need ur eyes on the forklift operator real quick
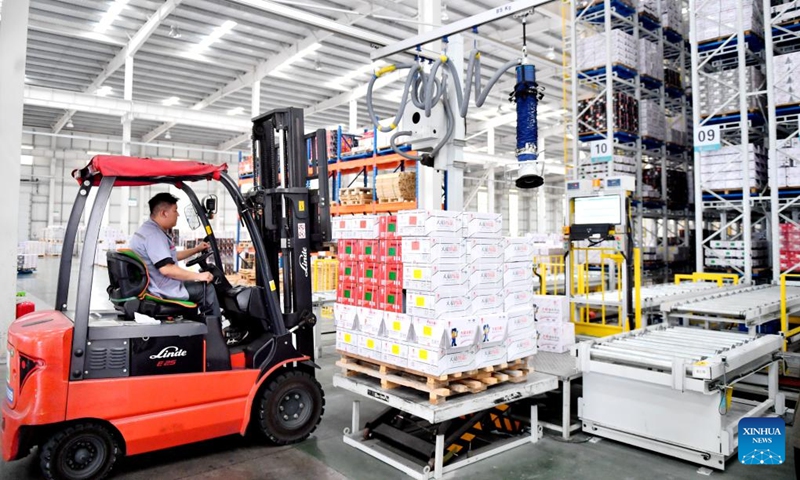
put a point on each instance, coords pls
(154, 245)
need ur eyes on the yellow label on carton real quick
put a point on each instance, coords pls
(427, 331)
(348, 338)
(417, 274)
(423, 354)
(396, 326)
(395, 349)
(420, 301)
(370, 343)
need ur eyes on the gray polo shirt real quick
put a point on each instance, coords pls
(156, 249)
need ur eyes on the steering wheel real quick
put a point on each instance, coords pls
(200, 258)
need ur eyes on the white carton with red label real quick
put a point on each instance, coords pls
(521, 321)
(369, 347)
(518, 298)
(347, 341)
(422, 223)
(434, 305)
(520, 346)
(518, 249)
(518, 274)
(482, 251)
(486, 302)
(345, 317)
(444, 278)
(432, 250)
(397, 326)
(485, 279)
(434, 361)
(482, 225)
(492, 328)
(364, 226)
(370, 321)
(451, 334)
(551, 308)
(555, 337)
(394, 353)
(490, 355)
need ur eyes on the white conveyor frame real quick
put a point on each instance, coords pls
(664, 388)
(652, 295)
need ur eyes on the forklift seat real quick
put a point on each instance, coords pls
(128, 281)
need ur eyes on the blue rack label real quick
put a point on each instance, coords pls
(762, 441)
(707, 138)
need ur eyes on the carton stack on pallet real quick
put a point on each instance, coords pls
(618, 165)
(556, 332)
(789, 166)
(722, 169)
(790, 246)
(717, 89)
(731, 253)
(626, 114)
(787, 88)
(592, 51)
(468, 292)
(717, 19)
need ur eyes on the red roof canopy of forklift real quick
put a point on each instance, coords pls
(135, 171)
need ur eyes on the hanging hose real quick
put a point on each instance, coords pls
(426, 91)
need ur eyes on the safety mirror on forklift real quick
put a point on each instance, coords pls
(210, 204)
(191, 217)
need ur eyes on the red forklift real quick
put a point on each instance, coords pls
(88, 387)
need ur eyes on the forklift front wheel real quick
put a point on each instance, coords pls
(291, 407)
(79, 452)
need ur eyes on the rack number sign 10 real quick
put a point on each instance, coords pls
(601, 150)
(707, 138)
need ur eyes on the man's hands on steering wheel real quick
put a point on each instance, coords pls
(200, 258)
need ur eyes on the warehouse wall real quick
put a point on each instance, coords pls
(46, 180)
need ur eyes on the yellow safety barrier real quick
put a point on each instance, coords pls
(637, 287)
(549, 265)
(581, 258)
(719, 278)
(324, 274)
(787, 332)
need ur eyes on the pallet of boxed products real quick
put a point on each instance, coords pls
(717, 20)
(789, 167)
(731, 253)
(593, 114)
(26, 262)
(426, 301)
(396, 187)
(592, 51)
(717, 88)
(616, 166)
(786, 87)
(721, 169)
(790, 246)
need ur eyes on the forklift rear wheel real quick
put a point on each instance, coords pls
(79, 452)
(291, 407)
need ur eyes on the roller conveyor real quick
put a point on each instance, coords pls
(652, 295)
(751, 305)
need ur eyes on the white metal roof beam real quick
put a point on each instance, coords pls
(129, 50)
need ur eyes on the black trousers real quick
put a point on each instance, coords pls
(204, 295)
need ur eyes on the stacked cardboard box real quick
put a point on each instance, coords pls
(787, 88)
(460, 281)
(671, 16)
(789, 166)
(556, 332)
(651, 59)
(592, 51)
(26, 261)
(731, 253)
(652, 121)
(626, 114)
(790, 246)
(717, 19)
(716, 92)
(722, 169)
(617, 166)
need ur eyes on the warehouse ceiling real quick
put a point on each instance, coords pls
(205, 54)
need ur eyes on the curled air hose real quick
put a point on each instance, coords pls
(426, 90)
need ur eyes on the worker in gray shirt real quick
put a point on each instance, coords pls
(154, 245)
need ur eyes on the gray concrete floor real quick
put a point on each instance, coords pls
(325, 456)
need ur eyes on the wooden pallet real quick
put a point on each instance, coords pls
(356, 200)
(753, 190)
(355, 191)
(440, 387)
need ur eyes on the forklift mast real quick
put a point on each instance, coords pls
(293, 219)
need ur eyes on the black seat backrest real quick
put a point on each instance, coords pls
(127, 276)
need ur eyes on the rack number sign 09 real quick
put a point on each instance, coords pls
(707, 138)
(601, 150)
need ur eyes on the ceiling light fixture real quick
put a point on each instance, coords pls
(445, 16)
(278, 71)
(214, 36)
(168, 102)
(103, 91)
(168, 136)
(174, 32)
(551, 53)
(236, 111)
(69, 124)
(111, 14)
(338, 83)
(317, 65)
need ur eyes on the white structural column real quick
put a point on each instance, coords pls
(127, 120)
(14, 39)
(454, 151)
(51, 186)
(353, 124)
(429, 181)
(541, 202)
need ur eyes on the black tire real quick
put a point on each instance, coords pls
(85, 451)
(290, 407)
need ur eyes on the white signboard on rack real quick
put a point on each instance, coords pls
(707, 138)
(601, 150)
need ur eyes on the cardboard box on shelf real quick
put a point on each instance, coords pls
(368, 295)
(368, 251)
(555, 337)
(521, 320)
(365, 226)
(347, 293)
(481, 303)
(394, 353)
(345, 316)
(482, 225)
(391, 299)
(551, 308)
(421, 223)
(347, 249)
(370, 347)
(397, 327)
(451, 334)
(484, 280)
(517, 297)
(348, 271)
(387, 227)
(484, 251)
(347, 341)
(370, 322)
(392, 275)
(519, 346)
(432, 250)
(490, 355)
(369, 272)
(437, 362)
(391, 250)
(434, 278)
(518, 249)
(434, 305)
(518, 274)
(493, 328)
